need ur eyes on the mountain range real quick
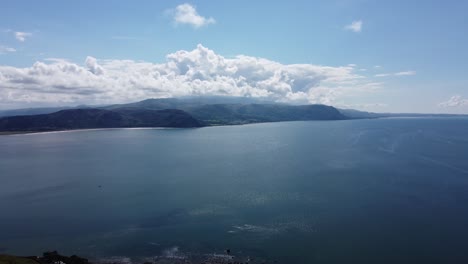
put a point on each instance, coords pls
(173, 112)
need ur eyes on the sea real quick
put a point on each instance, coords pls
(391, 190)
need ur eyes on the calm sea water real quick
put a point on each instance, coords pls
(363, 191)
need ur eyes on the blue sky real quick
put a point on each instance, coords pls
(400, 56)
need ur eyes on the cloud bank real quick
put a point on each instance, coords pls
(184, 73)
(187, 14)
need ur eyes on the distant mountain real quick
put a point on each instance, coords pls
(356, 114)
(216, 110)
(233, 111)
(99, 118)
(170, 112)
(232, 114)
(179, 112)
(189, 101)
(33, 111)
(155, 104)
(417, 115)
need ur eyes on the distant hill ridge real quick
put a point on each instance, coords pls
(99, 118)
(178, 112)
(170, 112)
(232, 112)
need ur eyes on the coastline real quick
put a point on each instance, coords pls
(13, 133)
(17, 133)
(10, 133)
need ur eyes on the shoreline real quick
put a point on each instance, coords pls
(13, 133)
(16, 133)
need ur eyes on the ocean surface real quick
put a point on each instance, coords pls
(359, 191)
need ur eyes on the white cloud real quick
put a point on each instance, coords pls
(403, 73)
(355, 26)
(197, 72)
(383, 75)
(93, 66)
(4, 49)
(454, 101)
(187, 14)
(21, 36)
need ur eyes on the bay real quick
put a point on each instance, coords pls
(359, 191)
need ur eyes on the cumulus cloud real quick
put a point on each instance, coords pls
(454, 101)
(21, 36)
(4, 49)
(197, 72)
(403, 73)
(187, 14)
(93, 66)
(355, 26)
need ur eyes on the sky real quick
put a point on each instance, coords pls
(381, 56)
